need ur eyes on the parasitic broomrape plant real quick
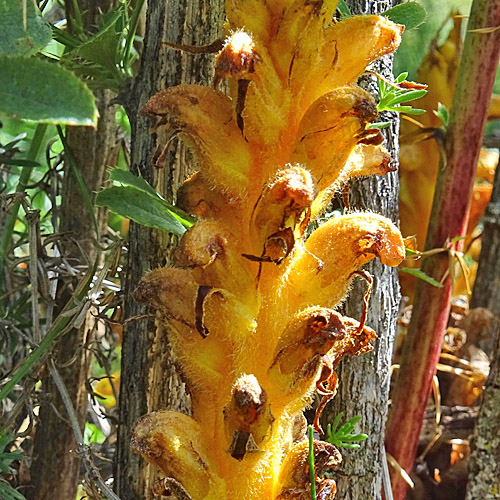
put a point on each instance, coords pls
(250, 304)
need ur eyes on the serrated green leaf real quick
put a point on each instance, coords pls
(15, 40)
(410, 14)
(140, 207)
(421, 275)
(59, 96)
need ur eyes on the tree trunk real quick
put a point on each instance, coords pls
(484, 462)
(56, 463)
(149, 380)
(364, 380)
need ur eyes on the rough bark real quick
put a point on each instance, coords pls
(364, 380)
(484, 462)
(149, 380)
(56, 463)
(448, 220)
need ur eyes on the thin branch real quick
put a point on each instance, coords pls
(92, 470)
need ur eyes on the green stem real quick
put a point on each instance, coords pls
(134, 21)
(24, 178)
(312, 472)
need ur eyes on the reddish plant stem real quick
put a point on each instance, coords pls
(448, 220)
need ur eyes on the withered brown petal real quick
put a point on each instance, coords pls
(203, 291)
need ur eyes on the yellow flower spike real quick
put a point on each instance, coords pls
(174, 442)
(321, 273)
(248, 417)
(294, 482)
(247, 314)
(204, 118)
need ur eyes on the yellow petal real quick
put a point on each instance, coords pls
(204, 118)
(174, 442)
(321, 272)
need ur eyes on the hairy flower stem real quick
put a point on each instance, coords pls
(448, 220)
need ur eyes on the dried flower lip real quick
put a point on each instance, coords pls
(242, 443)
(279, 245)
(248, 393)
(201, 245)
(168, 486)
(366, 110)
(202, 294)
(294, 183)
(295, 469)
(326, 489)
(141, 442)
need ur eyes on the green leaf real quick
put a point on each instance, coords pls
(92, 434)
(7, 492)
(58, 97)
(343, 8)
(408, 96)
(355, 437)
(19, 162)
(15, 40)
(401, 78)
(443, 114)
(343, 437)
(126, 178)
(349, 446)
(102, 48)
(140, 207)
(421, 275)
(410, 14)
(378, 125)
(312, 472)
